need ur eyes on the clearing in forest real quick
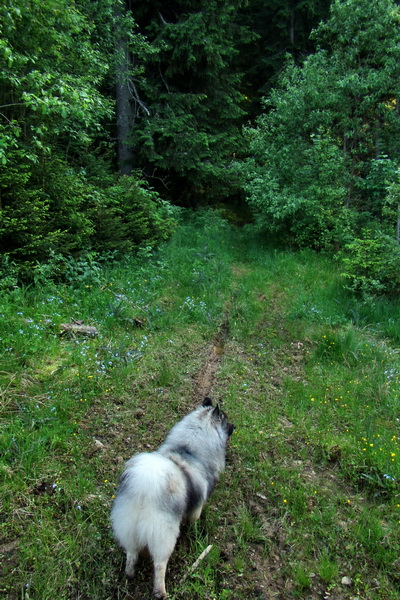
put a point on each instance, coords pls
(309, 504)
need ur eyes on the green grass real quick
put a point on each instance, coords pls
(309, 374)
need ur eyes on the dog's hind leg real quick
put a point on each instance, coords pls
(159, 580)
(160, 552)
(131, 560)
(195, 514)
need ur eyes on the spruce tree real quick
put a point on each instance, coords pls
(192, 92)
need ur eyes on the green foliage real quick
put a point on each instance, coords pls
(52, 218)
(43, 211)
(391, 206)
(129, 215)
(9, 273)
(322, 160)
(50, 106)
(192, 92)
(316, 169)
(23, 210)
(85, 268)
(372, 264)
(60, 206)
(299, 190)
(49, 78)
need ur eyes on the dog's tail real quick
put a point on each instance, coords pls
(149, 502)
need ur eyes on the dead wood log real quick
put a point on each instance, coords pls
(78, 329)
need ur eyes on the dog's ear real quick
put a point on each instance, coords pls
(207, 401)
(216, 413)
(231, 429)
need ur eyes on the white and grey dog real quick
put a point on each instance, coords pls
(159, 490)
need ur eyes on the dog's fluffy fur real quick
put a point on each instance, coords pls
(158, 490)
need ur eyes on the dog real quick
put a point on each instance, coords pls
(159, 490)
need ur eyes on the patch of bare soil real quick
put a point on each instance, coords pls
(206, 377)
(8, 558)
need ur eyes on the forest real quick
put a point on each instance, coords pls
(201, 199)
(116, 116)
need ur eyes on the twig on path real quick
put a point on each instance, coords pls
(196, 563)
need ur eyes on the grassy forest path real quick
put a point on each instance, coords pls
(305, 546)
(309, 505)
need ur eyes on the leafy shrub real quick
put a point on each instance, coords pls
(86, 268)
(42, 213)
(51, 217)
(372, 264)
(314, 173)
(129, 215)
(8, 273)
(391, 207)
(296, 187)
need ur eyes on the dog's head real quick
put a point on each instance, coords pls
(219, 416)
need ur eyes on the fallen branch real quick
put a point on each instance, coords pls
(78, 329)
(196, 563)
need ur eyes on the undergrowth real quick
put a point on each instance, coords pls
(310, 501)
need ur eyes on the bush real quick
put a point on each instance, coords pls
(129, 215)
(51, 216)
(295, 188)
(42, 210)
(372, 264)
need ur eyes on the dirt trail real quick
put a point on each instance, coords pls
(206, 377)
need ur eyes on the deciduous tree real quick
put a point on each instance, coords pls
(329, 136)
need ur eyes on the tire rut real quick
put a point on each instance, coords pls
(206, 377)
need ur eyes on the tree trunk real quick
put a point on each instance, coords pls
(125, 118)
(292, 24)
